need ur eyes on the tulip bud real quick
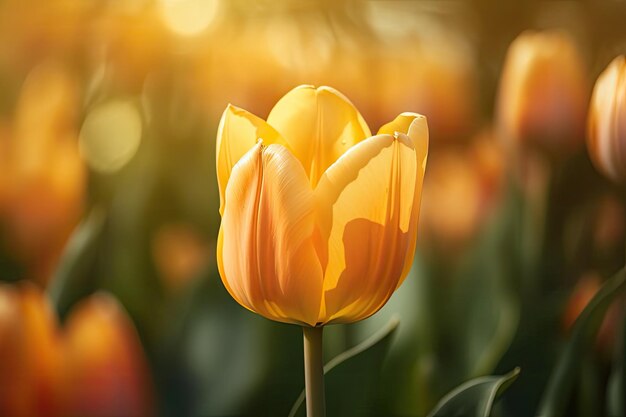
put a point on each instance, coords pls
(606, 139)
(105, 369)
(543, 93)
(319, 218)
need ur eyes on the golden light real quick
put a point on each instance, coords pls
(111, 135)
(188, 17)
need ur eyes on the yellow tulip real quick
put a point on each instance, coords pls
(543, 92)
(606, 139)
(319, 218)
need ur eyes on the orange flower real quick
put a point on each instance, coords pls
(319, 218)
(94, 368)
(543, 92)
(105, 370)
(606, 137)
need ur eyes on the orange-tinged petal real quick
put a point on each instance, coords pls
(238, 132)
(368, 209)
(29, 353)
(266, 254)
(319, 124)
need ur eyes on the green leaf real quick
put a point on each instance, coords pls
(616, 395)
(237, 362)
(557, 394)
(351, 377)
(486, 310)
(73, 278)
(474, 398)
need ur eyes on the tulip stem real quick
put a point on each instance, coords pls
(314, 372)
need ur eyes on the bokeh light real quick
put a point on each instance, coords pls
(111, 135)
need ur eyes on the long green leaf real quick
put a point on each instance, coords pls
(474, 398)
(616, 395)
(73, 278)
(351, 377)
(557, 394)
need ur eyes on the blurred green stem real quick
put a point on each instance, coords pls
(314, 372)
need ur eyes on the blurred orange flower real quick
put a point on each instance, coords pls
(606, 137)
(93, 367)
(105, 371)
(319, 220)
(543, 93)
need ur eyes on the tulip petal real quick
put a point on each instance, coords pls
(368, 211)
(266, 255)
(400, 124)
(418, 132)
(238, 132)
(319, 124)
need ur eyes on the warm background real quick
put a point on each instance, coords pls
(109, 207)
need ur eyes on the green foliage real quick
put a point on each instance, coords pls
(474, 398)
(352, 377)
(558, 391)
(74, 276)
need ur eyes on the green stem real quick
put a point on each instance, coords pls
(314, 372)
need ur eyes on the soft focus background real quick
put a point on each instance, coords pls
(111, 303)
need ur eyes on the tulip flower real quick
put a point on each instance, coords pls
(106, 373)
(606, 138)
(319, 218)
(543, 92)
(93, 367)
(337, 207)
